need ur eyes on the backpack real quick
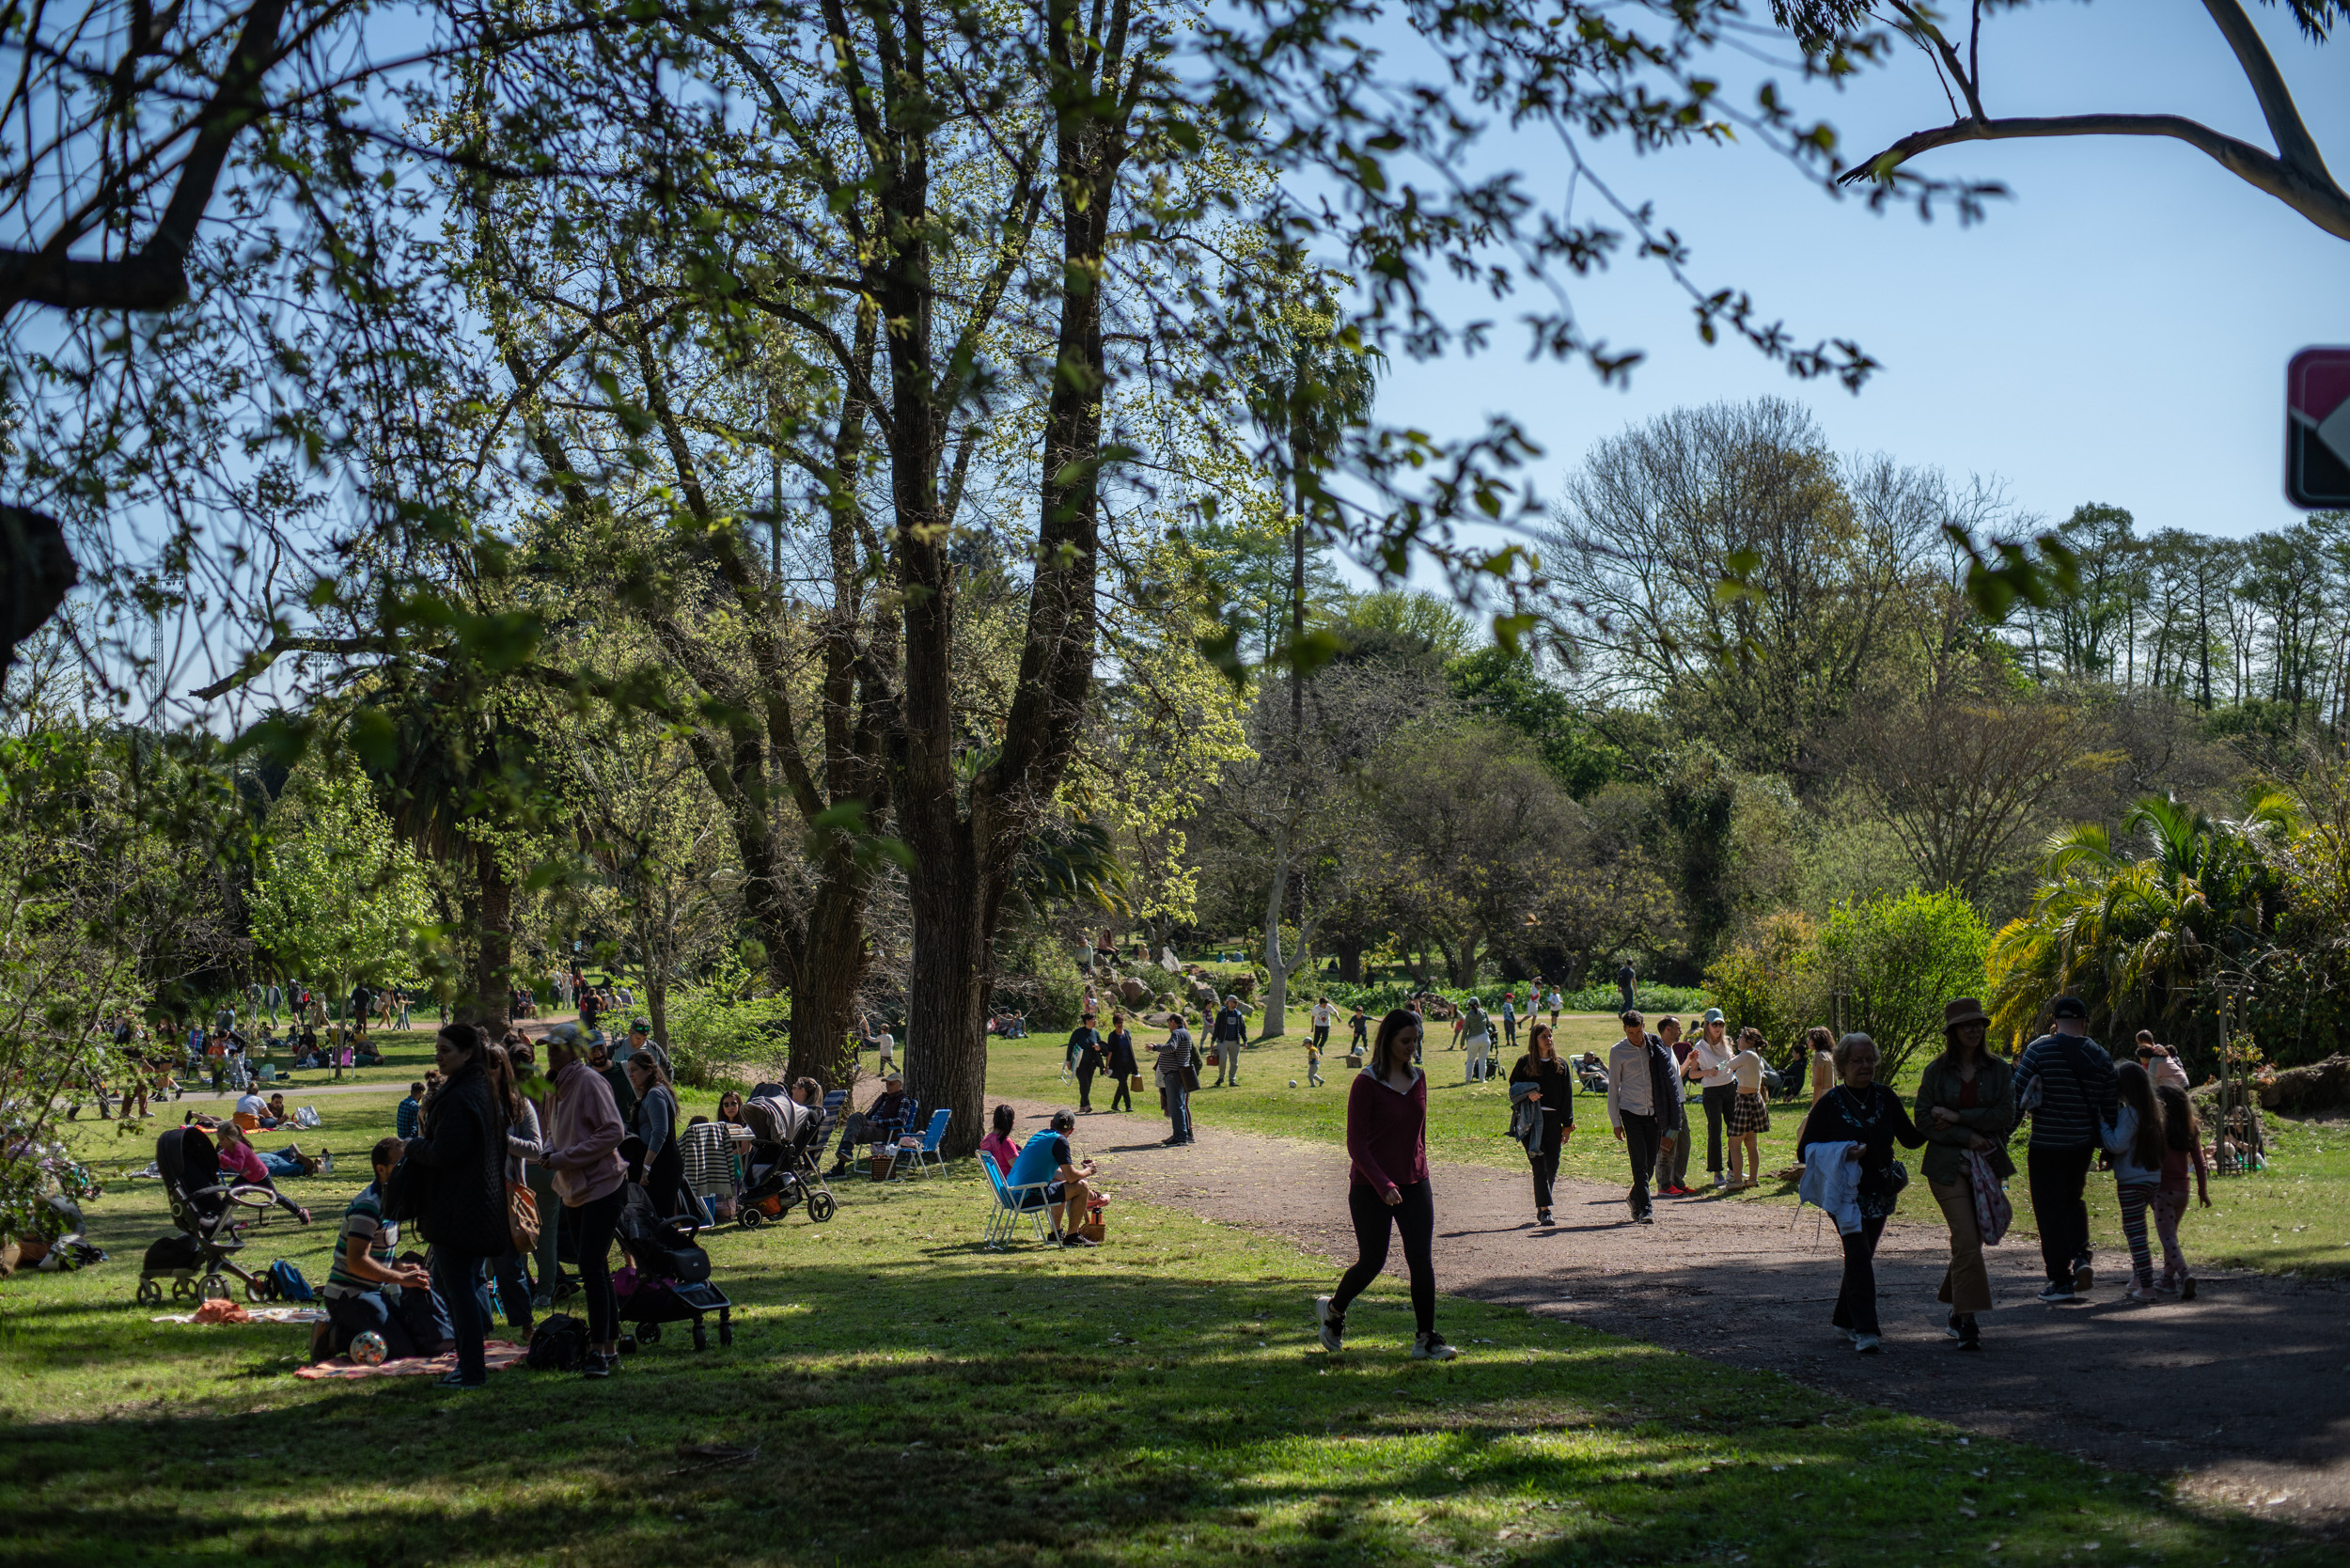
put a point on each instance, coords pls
(557, 1344)
(291, 1285)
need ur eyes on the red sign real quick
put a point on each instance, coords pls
(2317, 430)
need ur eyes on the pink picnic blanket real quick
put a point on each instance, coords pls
(495, 1353)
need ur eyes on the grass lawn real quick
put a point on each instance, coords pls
(2294, 1216)
(916, 1400)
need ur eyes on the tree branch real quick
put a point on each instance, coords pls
(2294, 144)
(2316, 198)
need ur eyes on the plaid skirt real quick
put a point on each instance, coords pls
(1750, 1113)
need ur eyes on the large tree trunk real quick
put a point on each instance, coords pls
(954, 919)
(493, 949)
(824, 972)
(1276, 991)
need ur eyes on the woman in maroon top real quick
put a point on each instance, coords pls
(1386, 1144)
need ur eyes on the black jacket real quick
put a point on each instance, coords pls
(1122, 1049)
(1557, 1083)
(465, 1210)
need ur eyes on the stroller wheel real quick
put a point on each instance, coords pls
(749, 1217)
(150, 1293)
(211, 1286)
(821, 1206)
(260, 1288)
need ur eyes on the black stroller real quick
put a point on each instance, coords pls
(672, 1273)
(212, 1214)
(784, 1163)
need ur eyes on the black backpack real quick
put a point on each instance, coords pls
(557, 1343)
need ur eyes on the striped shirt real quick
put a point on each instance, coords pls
(365, 1220)
(2075, 1080)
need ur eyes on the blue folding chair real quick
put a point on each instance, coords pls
(1003, 1216)
(932, 1135)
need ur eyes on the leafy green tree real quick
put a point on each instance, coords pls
(1507, 686)
(340, 898)
(1895, 960)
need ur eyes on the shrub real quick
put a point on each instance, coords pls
(720, 1025)
(1768, 977)
(1897, 960)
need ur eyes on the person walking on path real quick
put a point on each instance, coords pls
(1386, 1149)
(1672, 1150)
(1643, 1105)
(1626, 977)
(2134, 1140)
(1864, 1118)
(1966, 1109)
(1553, 1095)
(1231, 1026)
(2183, 1144)
(1118, 1050)
(584, 1132)
(2064, 1081)
(464, 1210)
(1178, 1074)
(1086, 1055)
(1709, 1057)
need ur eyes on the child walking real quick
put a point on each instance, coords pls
(1314, 1057)
(2182, 1144)
(2135, 1139)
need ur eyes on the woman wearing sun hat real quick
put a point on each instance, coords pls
(1966, 1109)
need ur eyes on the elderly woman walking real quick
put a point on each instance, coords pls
(1853, 1125)
(1966, 1109)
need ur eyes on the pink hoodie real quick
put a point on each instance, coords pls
(583, 1136)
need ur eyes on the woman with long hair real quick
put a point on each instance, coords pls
(2134, 1141)
(1552, 1092)
(1966, 1107)
(660, 1167)
(1386, 1146)
(466, 1202)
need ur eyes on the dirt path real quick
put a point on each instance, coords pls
(2246, 1387)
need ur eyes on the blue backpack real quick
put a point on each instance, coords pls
(289, 1284)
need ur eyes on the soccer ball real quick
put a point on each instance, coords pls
(369, 1349)
(1293, 1083)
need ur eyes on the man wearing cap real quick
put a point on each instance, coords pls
(639, 1035)
(879, 1122)
(2065, 1082)
(1709, 1059)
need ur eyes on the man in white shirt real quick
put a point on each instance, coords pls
(1709, 1059)
(1643, 1103)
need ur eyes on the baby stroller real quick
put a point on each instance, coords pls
(211, 1215)
(784, 1165)
(672, 1273)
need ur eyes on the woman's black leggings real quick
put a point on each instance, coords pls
(1857, 1295)
(1416, 1217)
(591, 1230)
(1545, 1160)
(1123, 1099)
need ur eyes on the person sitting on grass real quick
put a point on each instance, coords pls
(240, 1162)
(367, 1292)
(879, 1122)
(1067, 1184)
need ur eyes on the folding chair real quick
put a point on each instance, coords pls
(931, 1136)
(1003, 1216)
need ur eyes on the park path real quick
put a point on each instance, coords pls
(2245, 1390)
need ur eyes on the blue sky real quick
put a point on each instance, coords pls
(2116, 331)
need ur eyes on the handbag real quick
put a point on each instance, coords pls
(522, 1216)
(1134, 1083)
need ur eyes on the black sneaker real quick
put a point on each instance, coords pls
(455, 1380)
(1073, 1239)
(2054, 1292)
(1970, 1336)
(596, 1363)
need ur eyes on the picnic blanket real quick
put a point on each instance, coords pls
(247, 1314)
(496, 1353)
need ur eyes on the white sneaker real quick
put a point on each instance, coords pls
(1430, 1347)
(1866, 1343)
(1331, 1325)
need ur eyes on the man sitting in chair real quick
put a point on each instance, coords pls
(1068, 1186)
(879, 1122)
